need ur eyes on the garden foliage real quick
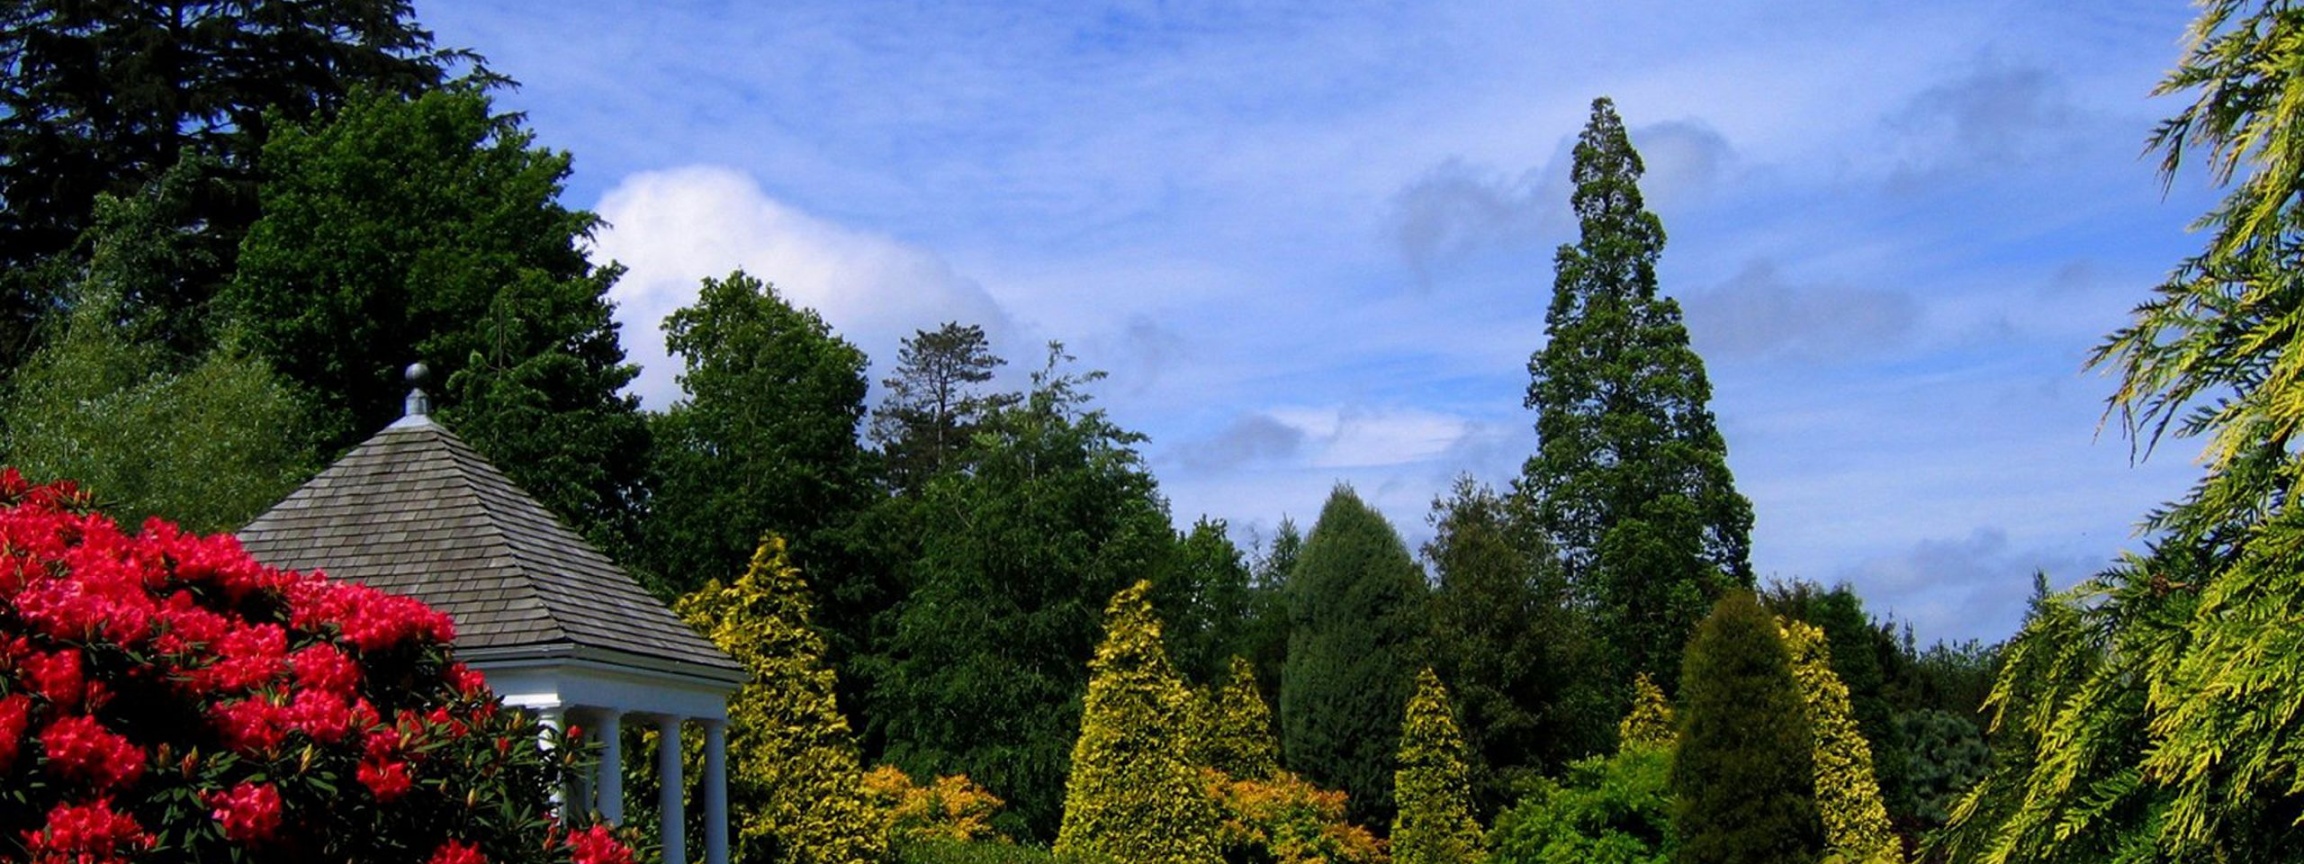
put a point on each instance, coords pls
(1856, 826)
(1434, 785)
(1235, 737)
(164, 697)
(795, 788)
(1133, 794)
(1742, 775)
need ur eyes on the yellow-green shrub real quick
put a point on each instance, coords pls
(1133, 794)
(1856, 828)
(1433, 784)
(1649, 724)
(1236, 736)
(795, 788)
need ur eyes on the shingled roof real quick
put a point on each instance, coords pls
(415, 511)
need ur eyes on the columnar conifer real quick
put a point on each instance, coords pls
(1356, 608)
(1742, 772)
(795, 786)
(1847, 798)
(1237, 738)
(1434, 784)
(1133, 794)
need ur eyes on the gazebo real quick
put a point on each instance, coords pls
(555, 626)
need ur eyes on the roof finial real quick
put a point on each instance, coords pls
(418, 404)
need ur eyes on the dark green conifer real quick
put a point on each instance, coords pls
(1631, 479)
(1358, 626)
(1742, 774)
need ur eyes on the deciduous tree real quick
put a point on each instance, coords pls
(430, 229)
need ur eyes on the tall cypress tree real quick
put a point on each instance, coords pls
(1435, 825)
(1742, 775)
(1631, 478)
(1134, 794)
(1356, 606)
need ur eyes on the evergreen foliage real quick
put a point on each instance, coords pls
(1649, 723)
(1282, 819)
(795, 788)
(1265, 637)
(1847, 798)
(1133, 794)
(100, 99)
(1862, 654)
(207, 442)
(932, 409)
(1505, 633)
(1237, 739)
(1742, 773)
(430, 229)
(1357, 610)
(1948, 756)
(948, 809)
(1435, 825)
(1630, 481)
(987, 656)
(2149, 714)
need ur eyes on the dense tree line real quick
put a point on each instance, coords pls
(212, 282)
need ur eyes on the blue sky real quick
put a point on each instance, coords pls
(1312, 242)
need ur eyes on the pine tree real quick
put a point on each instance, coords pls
(933, 406)
(1237, 738)
(1435, 824)
(1133, 794)
(1357, 609)
(1742, 773)
(795, 786)
(1631, 479)
(1847, 798)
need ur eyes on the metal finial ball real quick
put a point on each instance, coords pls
(417, 374)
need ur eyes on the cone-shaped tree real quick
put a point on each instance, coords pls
(1434, 784)
(1356, 609)
(1237, 737)
(795, 787)
(1649, 723)
(1134, 795)
(1630, 479)
(1741, 774)
(1847, 798)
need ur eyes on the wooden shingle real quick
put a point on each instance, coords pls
(413, 510)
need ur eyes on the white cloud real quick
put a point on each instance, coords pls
(674, 228)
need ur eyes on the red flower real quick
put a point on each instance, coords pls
(324, 668)
(249, 726)
(323, 717)
(250, 812)
(457, 852)
(86, 834)
(246, 658)
(15, 716)
(56, 677)
(595, 845)
(386, 780)
(82, 750)
(467, 680)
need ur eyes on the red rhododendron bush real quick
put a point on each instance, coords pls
(163, 697)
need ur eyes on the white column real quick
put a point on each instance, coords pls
(668, 797)
(715, 792)
(549, 720)
(610, 788)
